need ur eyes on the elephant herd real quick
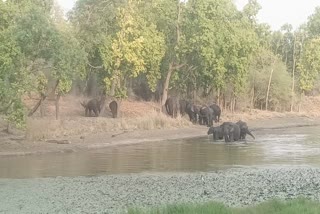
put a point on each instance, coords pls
(95, 106)
(230, 131)
(205, 115)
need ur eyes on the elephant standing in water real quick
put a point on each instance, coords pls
(244, 130)
(216, 132)
(231, 131)
(172, 106)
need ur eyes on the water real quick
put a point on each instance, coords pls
(280, 147)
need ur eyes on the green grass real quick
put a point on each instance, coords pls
(297, 206)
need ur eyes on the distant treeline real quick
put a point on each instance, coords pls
(195, 49)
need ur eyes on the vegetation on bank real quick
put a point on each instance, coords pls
(199, 50)
(297, 206)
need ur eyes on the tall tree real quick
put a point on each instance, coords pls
(309, 65)
(137, 48)
(313, 24)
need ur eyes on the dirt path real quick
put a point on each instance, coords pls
(17, 145)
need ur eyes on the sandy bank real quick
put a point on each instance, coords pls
(20, 146)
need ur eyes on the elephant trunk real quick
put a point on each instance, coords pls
(249, 133)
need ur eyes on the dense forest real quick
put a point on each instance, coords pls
(197, 49)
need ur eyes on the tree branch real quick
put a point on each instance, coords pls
(96, 67)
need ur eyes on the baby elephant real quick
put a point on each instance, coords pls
(216, 132)
(244, 130)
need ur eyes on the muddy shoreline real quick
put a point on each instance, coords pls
(19, 146)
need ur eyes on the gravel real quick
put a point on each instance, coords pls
(113, 194)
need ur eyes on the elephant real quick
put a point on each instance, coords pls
(231, 131)
(92, 105)
(244, 130)
(172, 106)
(193, 112)
(206, 116)
(113, 105)
(183, 107)
(217, 112)
(216, 132)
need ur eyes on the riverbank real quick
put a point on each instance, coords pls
(19, 145)
(116, 193)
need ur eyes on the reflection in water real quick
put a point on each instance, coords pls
(294, 146)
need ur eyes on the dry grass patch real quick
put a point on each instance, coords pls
(44, 128)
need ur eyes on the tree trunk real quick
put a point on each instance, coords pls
(166, 85)
(252, 99)
(35, 108)
(218, 99)
(171, 65)
(293, 69)
(41, 109)
(113, 88)
(57, 106)
(269, 84)
(119, 102)
(7, 130)
(43, 97)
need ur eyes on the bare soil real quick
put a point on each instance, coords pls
(139, 122)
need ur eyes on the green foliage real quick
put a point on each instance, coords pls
(137, 48)
(259, 75)
(69, 60)
(295, 206)
(219, 42)
(309, 65)
(313, 24)
(33, 49)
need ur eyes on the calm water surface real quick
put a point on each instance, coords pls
(292, 146)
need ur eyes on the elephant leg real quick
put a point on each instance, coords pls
(96, 112)
(231, 137)
(226, 137)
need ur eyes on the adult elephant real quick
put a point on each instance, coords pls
(193, 112)
(206, 116)
(244, 130)
(172, 106)
(217, 112)
(183, 107)
(216, 132)
(231, 131)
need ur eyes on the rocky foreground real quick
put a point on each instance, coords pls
(113, 194)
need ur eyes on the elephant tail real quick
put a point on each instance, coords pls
(249, 133)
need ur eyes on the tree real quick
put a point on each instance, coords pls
(220, 42)
(269, 83)
(313, 24)
(137, 48)
(95, 25)
(309, 65)
(35, 50)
